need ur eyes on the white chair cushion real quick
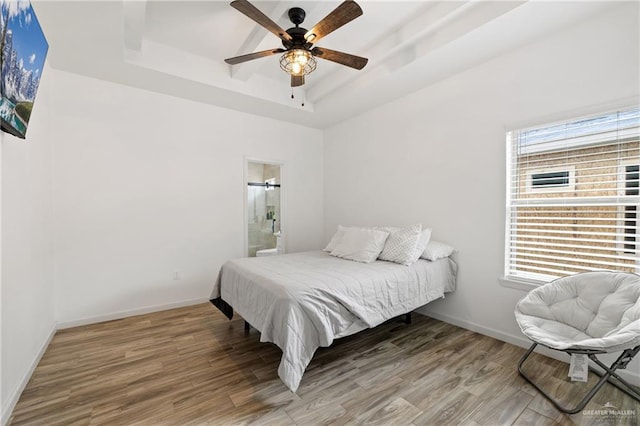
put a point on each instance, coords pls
(592, 310)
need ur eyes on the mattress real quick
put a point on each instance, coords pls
(303, 301)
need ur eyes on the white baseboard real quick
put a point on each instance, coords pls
(7, 408)
(130, 313)
(520, 341)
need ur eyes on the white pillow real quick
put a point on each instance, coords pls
(334, 240)
(425, 236)
(401, 245)
(436, 250)
(361, 245)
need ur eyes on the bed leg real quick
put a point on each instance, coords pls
(247, 327)
(407, 318)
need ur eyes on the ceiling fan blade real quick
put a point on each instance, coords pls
(347, 59)
(250, 56)
(297, 80)
(346, 12)
(254, 13)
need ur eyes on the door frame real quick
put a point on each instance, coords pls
(283, 204)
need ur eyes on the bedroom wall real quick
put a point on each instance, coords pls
(147, 185)
(438, 156)
(27, 313)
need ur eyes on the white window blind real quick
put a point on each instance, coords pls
(572, 197)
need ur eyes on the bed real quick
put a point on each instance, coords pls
(303, 301)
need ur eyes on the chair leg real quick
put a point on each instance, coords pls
(605, 377)
(247, 327)
(622, 361)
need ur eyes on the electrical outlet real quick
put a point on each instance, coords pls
(176, 276)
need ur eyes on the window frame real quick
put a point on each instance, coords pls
(527, 279)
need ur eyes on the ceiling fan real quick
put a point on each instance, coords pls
(298, 57)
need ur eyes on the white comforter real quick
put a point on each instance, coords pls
(302, 301)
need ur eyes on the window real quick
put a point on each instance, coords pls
(572, 197)
(551, 180)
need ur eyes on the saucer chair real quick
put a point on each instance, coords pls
(591, 313)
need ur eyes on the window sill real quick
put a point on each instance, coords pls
(519, 283)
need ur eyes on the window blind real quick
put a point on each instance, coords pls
(572, 197)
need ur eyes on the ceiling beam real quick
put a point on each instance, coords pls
(437, 25)
(134, 17)
(432, 17)
(258, 39)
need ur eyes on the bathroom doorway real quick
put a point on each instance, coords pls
(264, 208)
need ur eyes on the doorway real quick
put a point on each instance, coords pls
(264, 208)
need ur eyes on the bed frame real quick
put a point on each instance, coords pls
(227, 310)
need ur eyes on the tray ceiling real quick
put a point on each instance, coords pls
(179, 47)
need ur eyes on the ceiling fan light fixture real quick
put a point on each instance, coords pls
(298, 62)
(299, 58)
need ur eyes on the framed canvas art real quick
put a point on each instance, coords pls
(23, 50)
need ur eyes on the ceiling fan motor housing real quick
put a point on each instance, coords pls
(297, 33)
(297, 39)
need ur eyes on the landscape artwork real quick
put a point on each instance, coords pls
(23, 49)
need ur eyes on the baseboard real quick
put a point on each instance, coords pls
(515, 340)
(7, 409)
(130, 313)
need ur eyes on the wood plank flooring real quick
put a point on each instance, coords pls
(192, 366)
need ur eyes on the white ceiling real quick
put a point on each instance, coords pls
(179, 47)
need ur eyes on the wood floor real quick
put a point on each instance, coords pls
(192, 366)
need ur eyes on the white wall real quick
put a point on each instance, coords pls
(146, 185)
(27, 259)
(438, 155)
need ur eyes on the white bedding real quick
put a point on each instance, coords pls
(302, 301)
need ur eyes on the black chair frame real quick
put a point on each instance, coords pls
(607, 375)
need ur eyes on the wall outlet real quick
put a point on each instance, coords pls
(176, 276)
